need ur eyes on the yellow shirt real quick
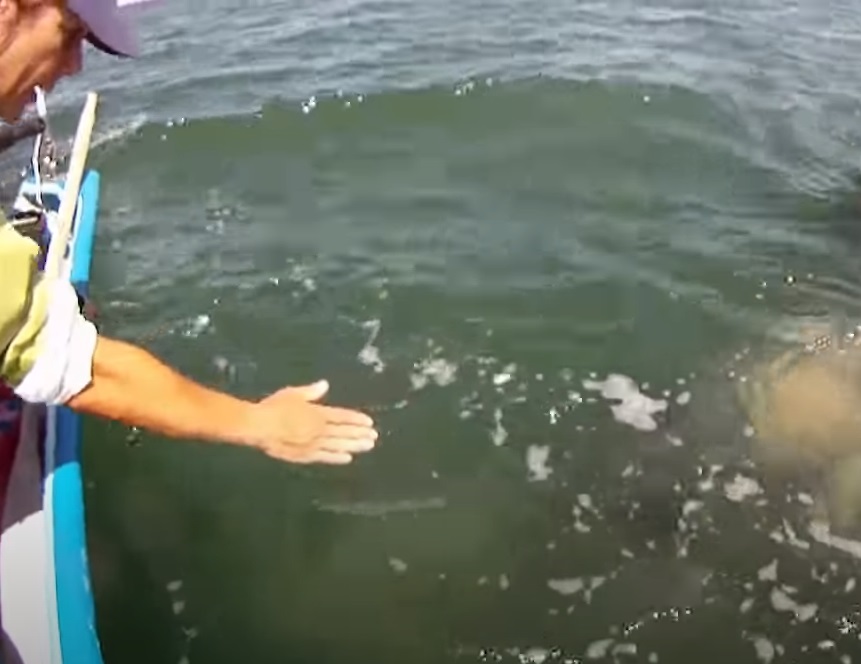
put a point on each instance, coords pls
(46, 346)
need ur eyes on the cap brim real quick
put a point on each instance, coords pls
(110, 31)
(104, 48)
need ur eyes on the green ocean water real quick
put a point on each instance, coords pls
(467, 216)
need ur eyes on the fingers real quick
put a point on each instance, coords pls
(346, 416)
(351, 431)
(316, 391)
(348, 438)
(349, 445)
(332, 458)
(336, 447)
(318, 456)
(312, 392)
(306, 432)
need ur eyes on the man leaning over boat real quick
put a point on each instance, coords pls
(50, 353)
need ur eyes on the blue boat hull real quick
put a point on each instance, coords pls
(47, 609)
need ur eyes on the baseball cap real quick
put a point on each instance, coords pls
(111, 29)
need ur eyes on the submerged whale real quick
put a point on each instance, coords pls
(804, 408)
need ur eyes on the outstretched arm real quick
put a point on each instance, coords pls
(49, 353)
(132, 386)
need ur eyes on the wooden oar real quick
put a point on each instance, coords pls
(71, 188)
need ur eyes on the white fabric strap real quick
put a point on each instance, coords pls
(42, 111)
(64, 366)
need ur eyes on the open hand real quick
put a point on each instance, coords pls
(290, 426)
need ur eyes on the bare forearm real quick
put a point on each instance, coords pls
(130, 385)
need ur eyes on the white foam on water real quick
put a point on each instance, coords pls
(675, 441)
(595, 583)
(742, 487)
(691, 507)
(397, 565)
(370, 353)
(122, 131)
(599, 649)
(764, 649)
(536, 461)
(505, 375)
(793, 538)
(579, 525)
(634, 408)
(178, 607)
(382, 508)
(782, 602)
(174, 586)
(805, 499)
(440, 371)
(197, 326)
(683, 399)
(124, 304)
(499, 434)
(625, 649)
(769, 572)
(850, 586)
(708, 484)
(826, 645)
(746, 605)
(567, 586)
(504, 583)
(534, 656)
(302, 275)
(653, 658)
(820, 532)
(222, 364)
(469, 406)
(574, 586)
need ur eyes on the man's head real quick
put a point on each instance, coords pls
(41, 41)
